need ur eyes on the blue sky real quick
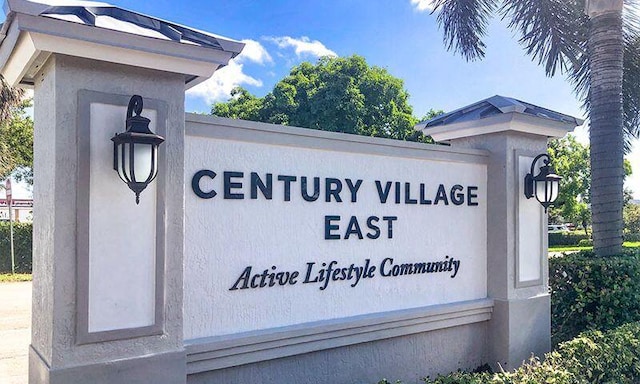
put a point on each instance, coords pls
(400, 35)
(395, 35)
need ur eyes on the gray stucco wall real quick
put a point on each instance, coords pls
(521, 323)
(406, 358)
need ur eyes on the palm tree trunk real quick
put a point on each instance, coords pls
(605, 47)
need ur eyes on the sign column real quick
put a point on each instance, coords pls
(107, 273)
(517, 266)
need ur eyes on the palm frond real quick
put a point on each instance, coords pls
(554, 32)
(631, 16)
(464, 23)
(631, 85)
(631, 74)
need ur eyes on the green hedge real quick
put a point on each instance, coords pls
(22, 242)
(585, 243)
(632, 237)
(593, 357)
(589, 292)
(566, 238)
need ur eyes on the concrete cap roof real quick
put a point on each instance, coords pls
(497, 105)
(498, 114)
(103, 15)
(101, 31)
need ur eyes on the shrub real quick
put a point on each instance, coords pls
(566, 238)
(592, 358)
(604, 357)
(585, 243)
(22, 242)
(532, 372)
(589, 292)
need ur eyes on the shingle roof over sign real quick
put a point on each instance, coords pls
(496, 105)
(102, 15)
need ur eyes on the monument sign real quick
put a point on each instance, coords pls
(279, 235)
(264, 253)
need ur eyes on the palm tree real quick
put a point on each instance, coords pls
(597, 45)
(9, 99)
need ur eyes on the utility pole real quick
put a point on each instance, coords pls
(9, 203)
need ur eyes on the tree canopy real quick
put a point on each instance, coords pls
(16, 144)
(335, 94)
(631, 216)
(571, 159)
(16, 135)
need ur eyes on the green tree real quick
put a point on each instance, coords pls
(571, 160)
(10, 98)
(335, 94)
(16, 144)
(631, 219)
(242, 105)
(587, 41)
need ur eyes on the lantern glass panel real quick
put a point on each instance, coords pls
(142, 162)
(547, 191)
(542, 191)
(123, 162)
(555, 188)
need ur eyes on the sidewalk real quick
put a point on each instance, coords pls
(15, 332)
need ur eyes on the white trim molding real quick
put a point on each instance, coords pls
(207, 354)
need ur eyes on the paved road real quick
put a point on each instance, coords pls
(15, 331)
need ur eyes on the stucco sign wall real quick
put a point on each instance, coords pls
(287, 226)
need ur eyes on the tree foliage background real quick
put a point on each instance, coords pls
(16, 135)
(631, 216)
(570, 159)
(335, 94)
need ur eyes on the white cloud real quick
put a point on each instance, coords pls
(219, 86)
(424, 5)
(302, 46)
(254, 51)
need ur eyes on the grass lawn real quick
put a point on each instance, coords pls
(18, 277)
(564, 248)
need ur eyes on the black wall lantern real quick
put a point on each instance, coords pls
(545, 185)
(135, 151)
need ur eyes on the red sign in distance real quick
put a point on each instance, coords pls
(7, 186)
